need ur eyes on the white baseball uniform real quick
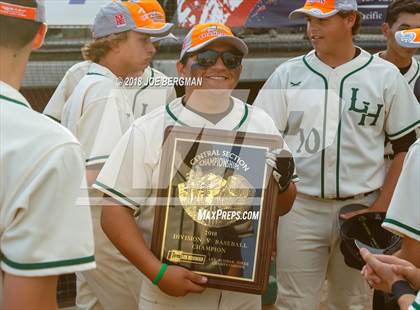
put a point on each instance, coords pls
(65, 88)
(412, 75)
(134, 166)
(142, 96)
(98, 113)
(146, 97)
(335, 122)
(403, 215)
(45, 224)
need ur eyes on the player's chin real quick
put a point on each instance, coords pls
(318, 44)
(215, 92)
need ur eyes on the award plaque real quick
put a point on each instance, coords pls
(216, 212)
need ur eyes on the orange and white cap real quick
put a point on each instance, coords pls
(155, 12)
(153, 9)
(118, 16)
(408, 38)
(324, 8)
(36, 14)
(202, 35)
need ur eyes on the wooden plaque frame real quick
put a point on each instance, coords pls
(267, 222)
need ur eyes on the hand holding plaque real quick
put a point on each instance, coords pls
(179, 281)
(281, 160)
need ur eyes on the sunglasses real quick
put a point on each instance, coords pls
(209, 58)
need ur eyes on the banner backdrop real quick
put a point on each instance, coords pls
(234, 13)
(261, 13)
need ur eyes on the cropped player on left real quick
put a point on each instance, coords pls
(43, 232)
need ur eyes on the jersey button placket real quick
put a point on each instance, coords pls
(333, 116)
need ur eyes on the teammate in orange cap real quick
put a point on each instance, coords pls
(142, 97)
(402, 15)
(410, 38)
(130, 176)
(337, 104)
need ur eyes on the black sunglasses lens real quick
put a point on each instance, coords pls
(207, 58)
(231, 60)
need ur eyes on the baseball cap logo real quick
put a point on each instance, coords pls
(312, 2)
(156, 16)
(119, 20)
(142, 14)
(212, 31)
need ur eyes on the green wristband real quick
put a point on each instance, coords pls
(160, 274)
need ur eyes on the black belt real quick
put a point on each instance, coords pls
(339, 198)
(355, 196)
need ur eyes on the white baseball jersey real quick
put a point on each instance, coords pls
(146, 97)
(403, 215)
(133, 165)
(65, 88)
(142, 97)
(132, 171)
(412, 74)
(97, 113)
(45, 224)
(336, 120)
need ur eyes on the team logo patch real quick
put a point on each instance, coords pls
(213, 31)
(365, 112)
(407, 37)
(119, 20)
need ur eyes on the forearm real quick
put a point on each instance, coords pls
(29, 292)
(119, 225)
(286, 199)
(390, 182)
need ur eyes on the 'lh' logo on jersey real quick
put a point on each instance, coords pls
(365, 109)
